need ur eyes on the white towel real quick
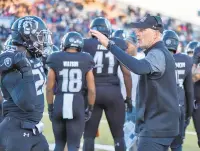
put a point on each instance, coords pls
(68, 106)
(40, 127)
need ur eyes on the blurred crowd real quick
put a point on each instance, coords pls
(68, 15)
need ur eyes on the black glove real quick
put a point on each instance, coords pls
(196, 105)
(50, 111)
(88, 112)
(128, 104)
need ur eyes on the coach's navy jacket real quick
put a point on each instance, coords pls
(157, 103)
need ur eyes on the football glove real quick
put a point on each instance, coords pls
(88, 112)
(128, 104)
(50, 111)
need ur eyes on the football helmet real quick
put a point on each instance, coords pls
(119, 34)
(72, 40)
(32, 33)
(102, 25)
(171, 40)
(191, 46)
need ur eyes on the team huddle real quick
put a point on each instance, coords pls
(81, 81)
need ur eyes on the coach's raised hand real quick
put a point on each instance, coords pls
(101, 37)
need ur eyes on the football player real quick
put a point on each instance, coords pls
(119, 34)
(184, 85)
(196, 78)
(109, 98)
(70, 69)
(22, 83)
(190, 48)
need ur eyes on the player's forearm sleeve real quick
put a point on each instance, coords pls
(136, 66)
(189, 94)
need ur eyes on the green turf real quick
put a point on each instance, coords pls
(191, 127)
(48, 132)
(190, 143)
(105, 135)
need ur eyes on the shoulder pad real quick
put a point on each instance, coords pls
(86, 53)
(50, 61)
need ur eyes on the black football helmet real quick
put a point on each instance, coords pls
(72, 40)
(102, 25)
(119, 34)
(32, 33)
(171, 40)
(191, 46)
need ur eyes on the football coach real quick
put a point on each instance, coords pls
(157, 107)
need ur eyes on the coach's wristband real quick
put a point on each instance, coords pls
(110, 43)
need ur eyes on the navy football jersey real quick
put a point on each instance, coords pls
(106, 64)
(11, 109)
(183, 76)
(70, 70)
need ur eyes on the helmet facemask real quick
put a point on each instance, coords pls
(41, 43)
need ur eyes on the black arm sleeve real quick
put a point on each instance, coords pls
(136, 66)
(189, 94)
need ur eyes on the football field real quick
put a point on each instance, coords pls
(105, 137)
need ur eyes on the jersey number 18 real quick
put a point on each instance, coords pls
(72, 80)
